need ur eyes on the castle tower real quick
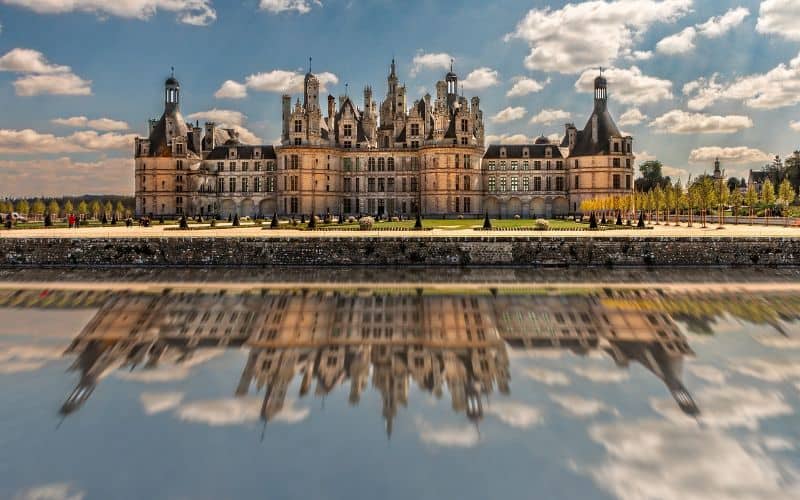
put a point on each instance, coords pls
(451, 79)
(286, 114)
(600, 93)
(172, 91)
(310, 92)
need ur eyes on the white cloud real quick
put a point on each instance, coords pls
(674, 172)
(639, 55)
(509, 114)
(449, 436)
(632, 117)
(769, 371)
(715, 27)
(228, 118)
(231, 90)
(157, 402)
(590, 34)
(729, 406)
(602, 375)
(658, 459)
(780, 343)
(777, 443)
(581, 407)
(29, 141)
(707, 373)
(278, 80)
(194, 12)
(779, 17)
(628, 86)
(795, 126)
(548, 377)
(480, 79)
(29, 61)
(679, 43)
(508, 139)
(235, 411)
(516, 415)
(524, 86)
(423, 61)
(681, 122)
(52, 491)
(548, 116)
(170, 372)
(26, 358)
(64, 176)
(277, 6)
(740, 154)
(776, 88)
(104, 124)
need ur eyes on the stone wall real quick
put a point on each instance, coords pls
(400, 251)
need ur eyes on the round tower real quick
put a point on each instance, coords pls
(600, 92)
(172, 91)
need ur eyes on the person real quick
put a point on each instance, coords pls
(71, 220)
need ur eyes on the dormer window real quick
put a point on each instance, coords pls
(502, 152)
(525, 153)
(548, 152)
(232, 153)
(257, 153)
(348, 130)
(616, 147)
(298, 126)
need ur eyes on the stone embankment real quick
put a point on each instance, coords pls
(400, 251)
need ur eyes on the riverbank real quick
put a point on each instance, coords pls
(475, 249)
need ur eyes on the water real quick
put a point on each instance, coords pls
(361, 383)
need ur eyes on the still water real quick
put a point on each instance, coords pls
(397, 384)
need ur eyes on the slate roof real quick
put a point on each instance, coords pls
(606, 129)
(158, 137)
(514, 151)
(242, 152)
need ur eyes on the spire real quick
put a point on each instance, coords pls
(451, 65)
(600, 91)
(309, 64)
(394, 68)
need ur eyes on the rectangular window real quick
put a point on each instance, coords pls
(381, 185)
(560, 165)
(502, 164)
(616, 162)
(257, 166)
(526, 165)
(456, 160)
(390, 185)
(616, 181)
(514, 184)
(371, 185)
(492, 184)
(467, 205)
(270, 184)
(502, 184)
(414, 186)
(244, 184)
(467, 185)
(491, 165)
(465, 125)
(348, 184)
(294, 205)
(559, 183)
(415, 129)
(348, 207)
(295, 162)
(526, 184)
(627, 162)
(220, 185)
(403, 185)
(245, 166)
(514, 165)
(298, 125)
(537, 165)
(232, 184)
(467, 161)
(390, 164)
(548, 184)
(348, 144)
(348, 130)
(179, 165)
(294, 184)
(220, 166)
(232, 166)
(577, 182)
(627, 182)
(537, 183)
(298, 141)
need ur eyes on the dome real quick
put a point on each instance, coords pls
(541, 140)
(171, 81)
(600, 81)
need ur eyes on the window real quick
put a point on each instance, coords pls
(371, 185)
(371, 164)
(526, 184)
(348, 130)
(537, 183)
(390, 164)
(293, 181)
(616, 147)
(537, 165)
(390, 185)
(616, 181)
(179, 165)
(559, 183)
(257, 184)
(514, 184)
(244, 184)
(514, 165)
(526, 165)
(347, 205)
(220, 166)
(295, 162)
(298, 141)
(415, 129)
(559, 165)
(577, 182)
(245, 166)
(381, 185)
(298, 125)
(271, 184)
(348, 184)
(257, 166)
(549, 184)
(467, 184)
(381, 164)
(465, 125)
(502, 184)
(627, 162)
(414, 144)
(348, 144)
(294, 204)
(502, 165)
(491, 165)
(548, 164)
(464, 141)
(232, 184)
(220, 185)
(627, 182)
(492, 184)
(467, 205)
(179, 148)
(232, 166)
(616, 162)
(414, 185)
(457, 157)
(467, 161)
(403, 185)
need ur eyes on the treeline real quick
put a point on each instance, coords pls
(87, 206)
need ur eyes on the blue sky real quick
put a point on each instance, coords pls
(690, 80)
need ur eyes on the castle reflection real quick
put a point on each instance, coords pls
(449, 343)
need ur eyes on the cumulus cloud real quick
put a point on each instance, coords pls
(480, 79)
(590, 34)
(423, 61)
(170, 372)
(795, 125)
(548, 116)
(780, 343)
(228, 118)
(681, 122)
(280, 81)
(236, 411)
(157, 402)
(602, 375)
(29, 141)
(277, 6)
(448, 436)
(769, 370)
(776, 88)
(779, 17)
(740, 154)
(518, 415)
(524, 86)
(66, 177)
(707, 373)
(715, 27)
(26, 358)
(39, 76)
(509, 114)
(104, 124)
(581, 407)
(658, 459)
(508, 139)
(52, 491)
(194, 12)
(545, 376)
(628, 86)
(632, 117)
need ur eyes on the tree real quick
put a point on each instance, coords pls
(38, 207)
(83, 208)
(53, 208)
(108, 208)
(120, 209)
(733, 183)
(681, 201)
(96, 209)
(721, 194)
(786, 196)
(768, 197)
(68, 208)
(751, 200)
(23, 208)
(652, 176)
(736, 200)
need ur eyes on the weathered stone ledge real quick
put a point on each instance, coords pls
(400, 251)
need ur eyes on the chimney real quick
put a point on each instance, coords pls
(286, 106)
(331, 108)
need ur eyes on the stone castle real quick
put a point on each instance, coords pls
(387, 160)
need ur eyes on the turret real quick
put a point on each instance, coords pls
(600, 93)
(197, 138)
(286, 113)
(451, 79)
(172, 91)
(367, 98)
(208, 141)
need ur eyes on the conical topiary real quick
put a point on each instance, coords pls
(48, 220)
(114, 219)
(640, 225)
(184, 224)
(592, 221)
(302, 218)
(104, 221)
(418, 222)
(230, 218)
(619, 219)
(236, 222)
(274, 223)
(487, 224)
(312, 221)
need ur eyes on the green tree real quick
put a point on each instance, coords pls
(721, 194)
(68, 207)
(53, 208)
(751, 200)
(23, 208)
(120, 209)
(736, 201)
(733, 183)
(108, 208)
(658, 201)
(38, 208)
(681, 200)
(768, 197)
(786, 196)
(95, 211)
(83, 208)
(651, 176)
(670, 202)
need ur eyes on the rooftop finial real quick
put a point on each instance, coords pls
(451, 65)
(601, 69)
(309, 64)
(346, 89)
(172, 71)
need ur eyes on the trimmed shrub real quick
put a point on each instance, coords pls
(541, 225)
(366, 223)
